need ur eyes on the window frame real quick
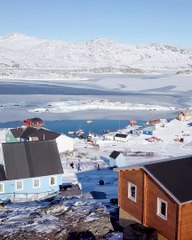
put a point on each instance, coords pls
(16, 186)
(159, 205)
(34, 183)
(55, 181)
(3, 188)
(130, 185)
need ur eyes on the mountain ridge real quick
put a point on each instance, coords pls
(21, 51)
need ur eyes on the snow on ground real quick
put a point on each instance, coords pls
(43, 219)
(100, 104)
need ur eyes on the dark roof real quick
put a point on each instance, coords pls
(114, 154)
(121, 135)
(31, 159)
(36, 119)
(2, 173)
(27, 132)
(175, 176)
(44, 134)
(17, 132)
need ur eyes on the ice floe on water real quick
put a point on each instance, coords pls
(100, 104)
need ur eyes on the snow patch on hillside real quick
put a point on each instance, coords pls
(25, 52)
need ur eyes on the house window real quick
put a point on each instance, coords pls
(52, 181)
(132, 191)
(1, 187)
(18, 185)
(36, 183)
(162, 208)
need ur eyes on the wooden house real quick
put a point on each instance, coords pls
(158, 195)
(116, 159)
(30, 170)
(33, 122)
(185, 115)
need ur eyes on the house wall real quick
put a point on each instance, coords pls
(29, 193)
(135, 209)
(120, 139)
(136, 132)
(144, 210)
(111, 162)
(118, 162)
(10, 138)
(168, 227)
(148, 132)
(64, 144)
(185, 222)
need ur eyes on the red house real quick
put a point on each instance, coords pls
(33, 122)
(158, 195)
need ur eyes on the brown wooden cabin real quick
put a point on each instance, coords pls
(158, 195)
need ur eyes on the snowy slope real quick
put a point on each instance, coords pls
(19, 51)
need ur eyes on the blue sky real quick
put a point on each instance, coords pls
(129, 21)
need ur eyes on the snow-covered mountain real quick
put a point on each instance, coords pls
(18, 51)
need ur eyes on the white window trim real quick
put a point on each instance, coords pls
(34, 183)
(16, 185)
(159, 201)
(3, 187)
(50, 181)
(130, 185)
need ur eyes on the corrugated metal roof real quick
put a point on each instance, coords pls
(31, 159)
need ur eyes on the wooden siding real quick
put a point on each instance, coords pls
(185, 222)
(133, 208)
(167, 228)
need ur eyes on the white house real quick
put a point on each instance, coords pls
(64, 143)
(116, 159)
(121, 137)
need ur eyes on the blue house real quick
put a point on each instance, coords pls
(31, 170)
(148, 130)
